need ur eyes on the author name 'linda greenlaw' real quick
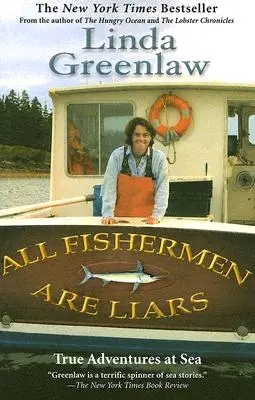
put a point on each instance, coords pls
(156, 64)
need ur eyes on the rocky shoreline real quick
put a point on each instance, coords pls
(11, 169)
(23, 174)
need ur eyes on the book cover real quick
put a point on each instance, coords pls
(130, 309)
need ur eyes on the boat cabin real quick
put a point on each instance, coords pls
(186, 284)
(211, 159)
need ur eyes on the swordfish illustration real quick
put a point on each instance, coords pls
(136, 277)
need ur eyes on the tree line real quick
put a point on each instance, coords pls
(24, 121)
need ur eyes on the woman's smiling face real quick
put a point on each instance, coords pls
(140, 140)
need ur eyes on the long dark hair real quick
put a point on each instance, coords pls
(130, 128)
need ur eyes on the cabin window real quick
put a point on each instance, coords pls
(93, 132)
(251, 128)
(233, 126)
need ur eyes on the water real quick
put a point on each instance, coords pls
(23, 190)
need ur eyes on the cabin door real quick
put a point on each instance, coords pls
(241, 164)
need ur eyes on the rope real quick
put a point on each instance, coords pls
(170, 137)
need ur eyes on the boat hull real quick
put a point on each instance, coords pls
(199, 294)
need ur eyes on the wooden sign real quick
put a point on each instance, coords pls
(138, 277)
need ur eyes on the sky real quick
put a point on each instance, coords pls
(27, 43)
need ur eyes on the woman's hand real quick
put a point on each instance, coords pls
(151, 220)
(108, 221)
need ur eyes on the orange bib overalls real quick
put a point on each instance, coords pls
(135, 194)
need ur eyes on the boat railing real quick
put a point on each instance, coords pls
(21, 210)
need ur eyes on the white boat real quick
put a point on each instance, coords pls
(202, 249)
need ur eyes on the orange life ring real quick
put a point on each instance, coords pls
(182, 107)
